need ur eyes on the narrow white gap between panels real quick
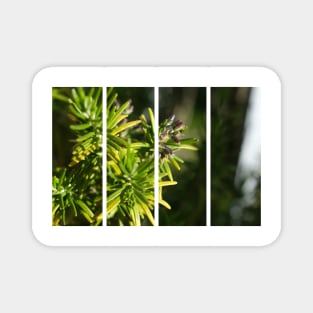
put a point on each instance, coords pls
(104, 156)
(156, 156)
(208, 156)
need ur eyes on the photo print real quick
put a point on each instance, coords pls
(177, 156)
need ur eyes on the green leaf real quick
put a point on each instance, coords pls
(189, 141)
(111, 101)
(109, 91)
(81, 126)
(146, 210)
(76, 98)
(173, 161)
(167, 183)
(135, 216)
(85, 208)
(113, 121)
(114, 195)
(119, 141)
(54, 210)
(87, 216)
(85, 137)
(112, 207)
(81, 92)
(57, 96)
(188, 147)
(125, 126)
(167, 169)
(62, 176)
(62, 201)
(139, 145)
(165, 204)
(177, 158)
(73, 205)
(64, 217)
(77, 113)
(151, 118)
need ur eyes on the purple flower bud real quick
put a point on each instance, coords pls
(168, 150)
(178, 125)
(175, 139)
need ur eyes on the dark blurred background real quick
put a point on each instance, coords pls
(61, 133)
(188, 197)
(142, 98)
(235, 157)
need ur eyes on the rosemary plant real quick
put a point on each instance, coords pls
(130, 162)
(77, 186)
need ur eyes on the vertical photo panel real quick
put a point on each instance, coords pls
(77, 156)
(235, 156)
(182, 153)
(130, 156)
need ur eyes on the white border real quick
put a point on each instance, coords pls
(156, 153)
(264, 78)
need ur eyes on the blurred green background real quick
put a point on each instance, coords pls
(235, 172)
(61, 133)
(142, 98)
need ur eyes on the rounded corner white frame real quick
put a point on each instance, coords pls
(262, 77)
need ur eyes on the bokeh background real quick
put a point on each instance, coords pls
(142, 98)
(61, 133)
(235, 156)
